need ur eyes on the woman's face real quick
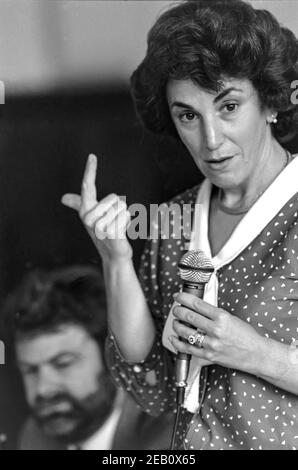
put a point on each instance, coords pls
(226, 133)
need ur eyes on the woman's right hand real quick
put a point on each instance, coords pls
(106, 221)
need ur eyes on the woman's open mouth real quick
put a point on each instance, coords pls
(219, 163)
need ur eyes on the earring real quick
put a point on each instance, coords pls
(274, 118)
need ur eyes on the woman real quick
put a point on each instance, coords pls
(216, 75)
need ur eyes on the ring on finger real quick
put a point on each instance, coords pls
(194, 337)
(200, 340)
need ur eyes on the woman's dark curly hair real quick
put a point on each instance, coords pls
(206, 41)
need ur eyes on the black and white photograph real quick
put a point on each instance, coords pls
(149, 227)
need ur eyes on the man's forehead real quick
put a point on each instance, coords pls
(46, 345)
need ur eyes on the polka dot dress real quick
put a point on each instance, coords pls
(260, 286)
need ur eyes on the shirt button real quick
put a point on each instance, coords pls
(137, 369)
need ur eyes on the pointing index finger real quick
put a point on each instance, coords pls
(88, 192)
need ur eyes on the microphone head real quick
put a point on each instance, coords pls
(195, 267)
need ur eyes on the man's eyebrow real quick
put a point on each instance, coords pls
(221, 95)
(26, 364)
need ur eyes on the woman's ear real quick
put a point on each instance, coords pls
(271, 117)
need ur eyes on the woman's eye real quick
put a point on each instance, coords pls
(187, 117)
(230, 107)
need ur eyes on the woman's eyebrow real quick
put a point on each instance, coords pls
(221, 95)
(226, 91)
(180, 104)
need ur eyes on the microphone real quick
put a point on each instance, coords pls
(195, 269)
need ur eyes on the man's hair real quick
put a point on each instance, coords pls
(47, 300)
(206, 41)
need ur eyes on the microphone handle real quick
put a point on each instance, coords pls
(183, 359)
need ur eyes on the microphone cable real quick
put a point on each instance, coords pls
(178, 412)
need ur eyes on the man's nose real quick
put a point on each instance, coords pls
(47, 384)
(213, 133)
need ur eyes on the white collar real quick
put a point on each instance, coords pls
(265, 208)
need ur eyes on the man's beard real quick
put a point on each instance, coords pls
(81, 418)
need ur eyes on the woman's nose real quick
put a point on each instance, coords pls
(213, 133)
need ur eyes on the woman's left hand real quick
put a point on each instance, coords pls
(229, 341)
